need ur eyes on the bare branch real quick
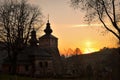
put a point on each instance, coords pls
(16, 20)
(110, 30)
(106, 9)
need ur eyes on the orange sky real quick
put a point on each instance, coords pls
(71, 29)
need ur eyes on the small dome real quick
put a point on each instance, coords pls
(48, 30)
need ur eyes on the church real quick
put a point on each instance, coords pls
(40, 58)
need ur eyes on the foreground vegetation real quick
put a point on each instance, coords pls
(11, 77)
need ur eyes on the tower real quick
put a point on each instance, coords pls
(49, 43)
(48, 40)
(33, 41)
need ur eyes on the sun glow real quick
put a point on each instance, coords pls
(89, 48)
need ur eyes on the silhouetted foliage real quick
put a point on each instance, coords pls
(77, 51)
(72, 52)
(17, 18)
(106, 11)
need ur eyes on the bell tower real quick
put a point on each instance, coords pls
(48, 40)
(49, 43)
(33, 41)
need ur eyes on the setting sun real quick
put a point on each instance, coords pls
(88, 44)
(89, 47)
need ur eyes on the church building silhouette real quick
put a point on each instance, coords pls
(40, 58)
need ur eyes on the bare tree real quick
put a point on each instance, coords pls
(77, 51)
(17, 18)
(106, 11)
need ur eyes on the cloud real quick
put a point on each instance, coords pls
(86, 25)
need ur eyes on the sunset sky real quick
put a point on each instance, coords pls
(71, 29)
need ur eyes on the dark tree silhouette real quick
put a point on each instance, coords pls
(77, 51)
(17, 18)
(106, 11)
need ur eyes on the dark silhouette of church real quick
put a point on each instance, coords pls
(40, 58)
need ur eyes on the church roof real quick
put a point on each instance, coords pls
(48, 29)
(25, 56)
(48, 32)
(48, 36)
(39, 52)
(36, 51)
(31, 52)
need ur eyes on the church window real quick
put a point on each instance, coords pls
(46, 64)
(41, 64)
(26, 67)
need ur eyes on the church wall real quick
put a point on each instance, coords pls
(24, 69)
(53, 43)
(50, 42)
(5, 68)
(43, 67)
(44, 43)
(56, 61)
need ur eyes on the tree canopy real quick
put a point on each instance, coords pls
(17, 18)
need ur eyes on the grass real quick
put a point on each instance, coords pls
(11, 77)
